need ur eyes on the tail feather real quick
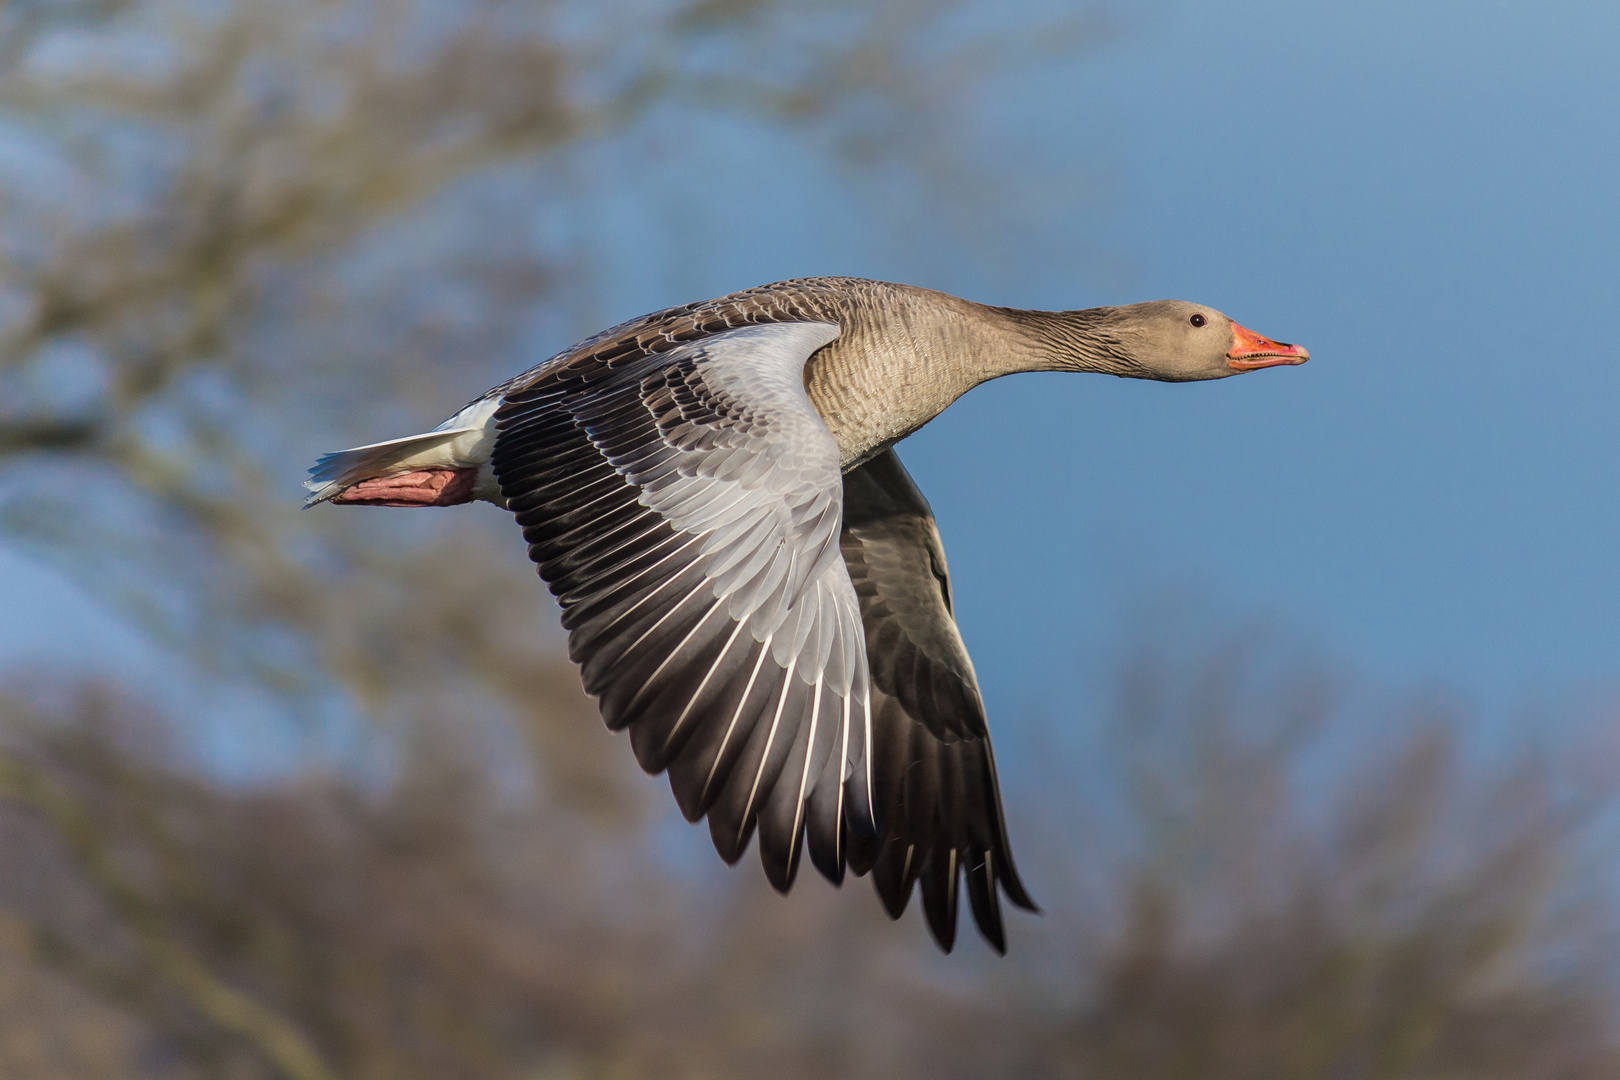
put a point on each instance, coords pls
(334, 473)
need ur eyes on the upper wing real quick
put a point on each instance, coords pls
(684, 505)
(934, 776)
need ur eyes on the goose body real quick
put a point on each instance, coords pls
(752, 584)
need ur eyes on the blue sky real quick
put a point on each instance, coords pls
(1423, 194)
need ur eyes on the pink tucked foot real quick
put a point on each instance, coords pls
(425, 487)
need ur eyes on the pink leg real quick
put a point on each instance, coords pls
(425, 487)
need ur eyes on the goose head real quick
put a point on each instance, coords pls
(1177, 341)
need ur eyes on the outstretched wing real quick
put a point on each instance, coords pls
(934, 776)
(684, 505)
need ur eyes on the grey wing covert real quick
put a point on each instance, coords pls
(684, 507)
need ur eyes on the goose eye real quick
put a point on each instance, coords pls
(1198, 320)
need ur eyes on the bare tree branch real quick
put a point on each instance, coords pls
(278, 1040)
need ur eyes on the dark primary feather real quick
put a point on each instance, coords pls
(934, 776)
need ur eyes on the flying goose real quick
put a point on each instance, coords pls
(752, 584)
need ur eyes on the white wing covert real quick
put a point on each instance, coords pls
(685, 507)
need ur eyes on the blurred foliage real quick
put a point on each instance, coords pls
(231, 233)
(1411, 920)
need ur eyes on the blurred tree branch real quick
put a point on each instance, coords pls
(279, 1041)
(47, 436)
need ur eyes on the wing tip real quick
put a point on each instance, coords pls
(1011, 884)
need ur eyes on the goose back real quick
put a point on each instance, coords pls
(902, 356)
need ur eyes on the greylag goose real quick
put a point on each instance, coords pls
(751, 583)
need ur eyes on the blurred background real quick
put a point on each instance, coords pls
(1306, 699)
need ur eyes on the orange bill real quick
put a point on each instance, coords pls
(1250, 351)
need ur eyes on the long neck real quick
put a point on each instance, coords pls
(1091, 339)
(905, 354)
